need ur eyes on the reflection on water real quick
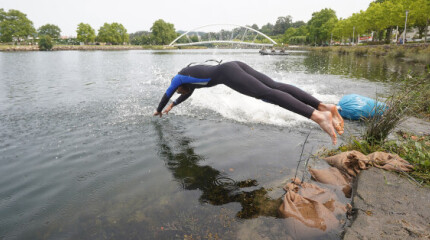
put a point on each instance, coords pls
(361, 67)
(375, 69)
(216, 187)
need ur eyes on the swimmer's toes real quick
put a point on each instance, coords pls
(334, 139)
(338, 127)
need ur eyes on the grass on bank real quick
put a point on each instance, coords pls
(410, 97)
(415, 149)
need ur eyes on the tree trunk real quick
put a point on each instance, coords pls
(388, 35)
(421, 30)
(380, 35)
(426, 31)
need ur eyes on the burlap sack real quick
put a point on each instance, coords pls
(311, 205)
(333, 176)
(389, 161)
(350, 162)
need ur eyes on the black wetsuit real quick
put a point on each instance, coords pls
(244, 79)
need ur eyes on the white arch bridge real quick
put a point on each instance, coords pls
(238, 35)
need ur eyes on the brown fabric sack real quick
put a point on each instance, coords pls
(313, 206)
(309, 212)
(350, 162)
(333, 176)
(389, 161)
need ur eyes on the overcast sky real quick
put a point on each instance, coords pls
(184, 14)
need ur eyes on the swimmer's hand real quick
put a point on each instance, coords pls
(168, 109)
(158, 114)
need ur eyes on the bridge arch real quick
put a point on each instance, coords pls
(223, 41)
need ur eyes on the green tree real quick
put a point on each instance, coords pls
(255, 27)
(295, 35)
(45, 43)
(420, 16)
(267, 29)
(194, 38)
(375, 18)
(359, 26)
(394, 12)
(282, 24)
(298, 24)
(339, 30)
(114, 33)
(321, 25)
(291, 32)
(163, 33)
(14, 25)
(2, 14)
(49, 29)
(85, 33)
(140, 38)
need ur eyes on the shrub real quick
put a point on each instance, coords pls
(405, 100)
(45, 43)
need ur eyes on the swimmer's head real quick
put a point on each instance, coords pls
(183, 89)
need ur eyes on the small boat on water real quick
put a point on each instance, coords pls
(263, 52)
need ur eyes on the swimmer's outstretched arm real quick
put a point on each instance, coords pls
(165, 99)
(166, 111)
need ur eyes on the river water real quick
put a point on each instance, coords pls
(82, 157)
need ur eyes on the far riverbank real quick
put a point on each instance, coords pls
(409, 52)
(16, 48)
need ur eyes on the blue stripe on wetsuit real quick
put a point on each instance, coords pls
(179, 79)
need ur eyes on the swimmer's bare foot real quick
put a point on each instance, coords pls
(337, 119)
(325, 120)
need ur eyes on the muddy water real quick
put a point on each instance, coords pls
(83, 158)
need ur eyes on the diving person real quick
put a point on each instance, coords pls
(244, 79)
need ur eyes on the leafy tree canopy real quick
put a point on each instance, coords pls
(114, 33)
(298, 24)
(85, 33)
(282, 24)
(255, 26)
(14, 24)
(267, 29)
(49, 29)
(321, 25)
(163, 32)
(2, 14)
(140, 38)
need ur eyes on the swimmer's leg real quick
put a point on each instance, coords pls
(242, 82)
(301, 95)
(290, 89)
(245, 83)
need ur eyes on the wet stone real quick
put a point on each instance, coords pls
(388, 206)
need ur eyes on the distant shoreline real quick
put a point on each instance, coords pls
(24, 48)
(415, 52)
